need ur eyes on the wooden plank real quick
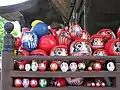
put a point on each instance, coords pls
(7, 59)
(68, 88)
(67, 58)
(62, 74)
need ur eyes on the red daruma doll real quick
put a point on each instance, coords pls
(97, 41)
(80, 48)
(46, 43)
(33, 83)
(18, 82)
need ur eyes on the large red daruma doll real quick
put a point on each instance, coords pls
(64, 38)
(75, 31)
(113, 47)
(80, 48)
(107, 33)
(46, 43)
(38, 52)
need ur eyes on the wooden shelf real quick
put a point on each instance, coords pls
(67, 58)
(62, 74)
(66, 88)
(8, 72)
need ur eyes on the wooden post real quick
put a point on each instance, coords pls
(118, 76)
(7, 55)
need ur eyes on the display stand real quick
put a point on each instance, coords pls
(8, 71)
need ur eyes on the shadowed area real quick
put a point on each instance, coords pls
(46, 10)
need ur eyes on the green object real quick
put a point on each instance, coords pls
(2, 32)
(43, 83)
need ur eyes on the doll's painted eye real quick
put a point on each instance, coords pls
(108, 33)
(59, 52)
(79, 45)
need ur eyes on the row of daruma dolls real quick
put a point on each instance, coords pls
(57, 82)
(36, 65)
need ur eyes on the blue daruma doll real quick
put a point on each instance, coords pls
(39, 28)
(29, 41)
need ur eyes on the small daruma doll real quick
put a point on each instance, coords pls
(54, 66)
(33, 83)
(18, 82)
(97, 41)
(64, 67)
(25, 82)
(107, 33)
(80, 48)
(34, 65)
(43, 83)
(73, 66)
(113, 47)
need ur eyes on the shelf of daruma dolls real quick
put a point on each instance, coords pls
(67, 88)
(49, 74)
(67, 58)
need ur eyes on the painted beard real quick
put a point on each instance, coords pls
(100, 54)
(81, 49)
(60, 52)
